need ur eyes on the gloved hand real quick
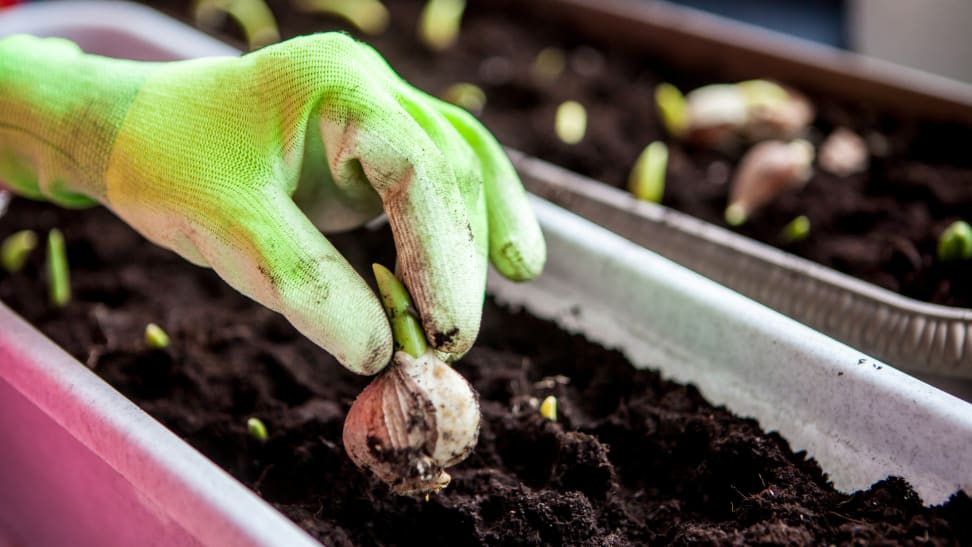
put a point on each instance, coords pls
(240, 163)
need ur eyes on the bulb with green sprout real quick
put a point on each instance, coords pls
(767, 170)
(774, 111)
(417, 417)
(721, 116)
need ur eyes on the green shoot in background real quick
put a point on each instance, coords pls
(955, 243)
(257, 430)
(465, 95)
(155, 337)
(548, 64)
(16, 248)
(672, 107)
(647, 179)
(548, 408)
(58, 278)
(439, 22)
(796, 230)
(368, 16)
(570, 122)
(253, 17)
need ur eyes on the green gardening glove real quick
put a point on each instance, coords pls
(240, 163)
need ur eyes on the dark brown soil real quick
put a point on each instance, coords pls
(632, 460)
(881, 226)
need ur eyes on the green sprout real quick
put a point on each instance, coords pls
(548, 408)
(256, 429)
(438, 26)
(796, 230)
(466, 95)
(16, 248)
(368, 16)
(406, 329)
(58, 278)
(155, 337)
(570, 122)
(955, 243)
(647, 179)
(548, 64)
(253, 17)
(673, 109)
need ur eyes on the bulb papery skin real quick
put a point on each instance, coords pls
(412, 421)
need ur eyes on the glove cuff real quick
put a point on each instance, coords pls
(60, 110)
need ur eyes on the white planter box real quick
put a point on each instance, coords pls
(928, 339)
(80, 465)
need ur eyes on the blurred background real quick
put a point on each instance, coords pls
(931, 35)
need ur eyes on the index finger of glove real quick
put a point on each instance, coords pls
(272, 253)
(436, 245)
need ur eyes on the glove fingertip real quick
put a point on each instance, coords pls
(519, 261)
(373, 357)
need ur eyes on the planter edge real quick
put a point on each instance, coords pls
(909, 334)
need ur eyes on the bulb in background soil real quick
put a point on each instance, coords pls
(844, 153)
(720, 116)
(767, 170)
(775, 111)
(415, 419)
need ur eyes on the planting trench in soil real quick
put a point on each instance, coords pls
(881, 226)
(631, 459)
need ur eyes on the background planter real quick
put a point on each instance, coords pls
(933, 340)
(868, 419)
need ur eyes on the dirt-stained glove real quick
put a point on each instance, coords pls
(240, 163)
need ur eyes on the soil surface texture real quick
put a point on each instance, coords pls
(631, 460)
(881, 226)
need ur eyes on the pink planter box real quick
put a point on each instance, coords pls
(80, 464)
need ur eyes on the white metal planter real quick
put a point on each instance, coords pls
(930, 339)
